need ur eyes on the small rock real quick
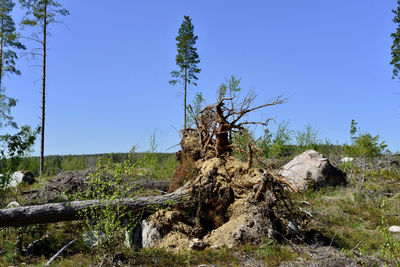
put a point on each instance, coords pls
(394, 229)
(346, 159)
(264, 177)
(306, 212)
(119, 258)
(94, 238)
(13, 204)
(198, 244)
(255, 188)
(271, 233)
(292, 226)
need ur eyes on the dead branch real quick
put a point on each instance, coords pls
(59, 252)
(70, 211)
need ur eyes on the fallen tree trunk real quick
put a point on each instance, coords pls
(69, 211)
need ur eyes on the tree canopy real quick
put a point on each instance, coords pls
(396, 42)
(186, 59)
(8, 39)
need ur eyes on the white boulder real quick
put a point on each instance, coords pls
(394, 229)
(311, 170)
(16, 179)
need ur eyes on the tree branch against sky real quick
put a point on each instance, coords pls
(39, 14)
(187, 59)
(396, 42)
(9, 39)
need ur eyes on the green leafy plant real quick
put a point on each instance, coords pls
(281, 140)
(13, 146)
(364, 144)
(395, 49)
(193, 111)
(308, 138)
(230, 89)
(390, 249)
(110, 182)
(241, 141)
(152, 165)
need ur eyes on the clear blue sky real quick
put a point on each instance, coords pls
(109, 67)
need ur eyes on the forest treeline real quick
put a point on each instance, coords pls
(55, 164)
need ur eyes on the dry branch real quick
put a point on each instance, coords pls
(69, 211)
(59, 252)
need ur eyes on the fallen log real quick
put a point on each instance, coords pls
(70, 211)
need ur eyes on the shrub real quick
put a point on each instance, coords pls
(109, 182)
(364, 144)
(309, 138)
(281, 140)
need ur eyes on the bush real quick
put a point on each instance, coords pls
(364, 144)
(307, 138)
(277, 144)
(109, 182)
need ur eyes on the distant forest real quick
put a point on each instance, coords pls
(57, 163)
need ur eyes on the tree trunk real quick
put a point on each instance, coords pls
(1, 52)
(70, 211)
(184, 124)
(43, 89)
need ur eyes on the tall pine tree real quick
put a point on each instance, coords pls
(39, 14)
(396, 42)
(187, 59)
(9, 39)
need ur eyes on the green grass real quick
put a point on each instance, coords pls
(345, 216)
(353, 214)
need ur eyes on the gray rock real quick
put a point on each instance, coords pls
(21, 176)
(16, 179)
(292, 227)
(150, 234)
(311, 170)
(94, 238)
(394, 229)
(133, 238)
(28, 177)
(13, 204)
(346, 159)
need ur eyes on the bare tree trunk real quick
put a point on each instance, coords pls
(184, 124)
(1, 51)
(70, 211)
(43, 89)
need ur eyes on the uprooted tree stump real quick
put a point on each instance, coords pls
(216, 199)
(231, 202)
